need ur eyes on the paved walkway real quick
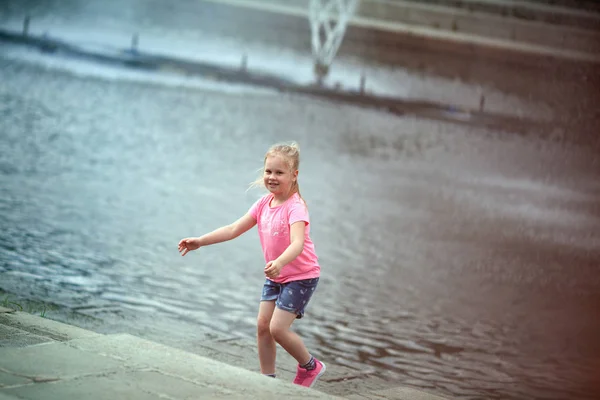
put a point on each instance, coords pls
(45, 359)
(433, 25)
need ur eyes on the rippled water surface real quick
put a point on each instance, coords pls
(457, 260)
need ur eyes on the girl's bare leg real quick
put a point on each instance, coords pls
(281, 321)
(266, 343)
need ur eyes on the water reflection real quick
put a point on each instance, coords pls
(457, 260)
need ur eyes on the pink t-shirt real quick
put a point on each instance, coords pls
(274, 233)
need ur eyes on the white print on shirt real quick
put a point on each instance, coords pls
(276, 226)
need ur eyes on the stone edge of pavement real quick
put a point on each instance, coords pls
(141, 353)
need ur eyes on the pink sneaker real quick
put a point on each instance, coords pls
(308, 378)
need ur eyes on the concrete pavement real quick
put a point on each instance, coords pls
(45, 359)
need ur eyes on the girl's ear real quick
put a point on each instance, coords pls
(296, 174)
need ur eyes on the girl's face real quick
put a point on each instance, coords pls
(278, 176)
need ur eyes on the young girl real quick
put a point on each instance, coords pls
(292, 269)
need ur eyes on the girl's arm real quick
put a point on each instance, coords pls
(295, 248)
(222, 234)
(228, 232)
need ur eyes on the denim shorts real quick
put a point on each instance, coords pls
(290, 296)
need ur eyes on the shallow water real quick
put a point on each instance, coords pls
(457, 260)
(204, 31)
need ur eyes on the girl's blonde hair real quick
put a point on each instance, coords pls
(290, 152)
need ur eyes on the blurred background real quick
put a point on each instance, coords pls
(459, 236)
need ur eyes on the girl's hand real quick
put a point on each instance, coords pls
(188, 244)
(272, 269)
